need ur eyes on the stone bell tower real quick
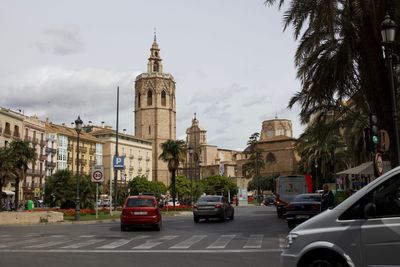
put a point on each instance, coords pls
(155, 110)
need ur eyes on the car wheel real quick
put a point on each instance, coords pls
(223, 217)
(280, 214)
(291, 224)
(324, 260)
(196, 219)
(158, 226)
(123, 228)
(232, 216)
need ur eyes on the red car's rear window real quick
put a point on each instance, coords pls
(140, 202)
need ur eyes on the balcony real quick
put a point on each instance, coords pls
(51, 150)
(82, 149)
(43, 143)
(35, 141)
(1, 130)
(147, 158)
(131, 156)
(92, 163)
(50, 165)
(131, 168)
(140, 157)
(7, 133)
(92, 151)
(28, 139)
(69, 160)
(42, 157)
(34, 172)
(70, 148)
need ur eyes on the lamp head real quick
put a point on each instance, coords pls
(388, 30)
(78, 124)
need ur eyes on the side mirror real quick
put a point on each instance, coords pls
(369, 210)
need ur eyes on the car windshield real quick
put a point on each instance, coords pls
(140, 202)
(209, 199)
(307, 198)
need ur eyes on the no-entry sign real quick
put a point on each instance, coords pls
(97, 174)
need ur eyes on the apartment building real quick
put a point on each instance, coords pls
(137, 154)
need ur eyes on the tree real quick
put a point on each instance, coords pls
(261, 183)
(183, 187)
(21, 154)
(340, 57)
(255, 161)
(218, 185)
(173, 153)
(6, 169)
(60, 190)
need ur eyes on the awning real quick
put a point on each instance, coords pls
(8, 192)
(366, 168)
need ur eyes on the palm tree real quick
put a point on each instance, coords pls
(21, 155)
(339, 56)
(173, 153)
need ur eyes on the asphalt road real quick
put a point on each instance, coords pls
(253, 238)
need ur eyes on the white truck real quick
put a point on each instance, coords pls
(286, 188)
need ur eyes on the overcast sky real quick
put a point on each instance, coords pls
(232, 62)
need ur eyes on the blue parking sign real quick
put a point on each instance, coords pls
(118, 162)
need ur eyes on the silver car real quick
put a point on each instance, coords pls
(364, 230)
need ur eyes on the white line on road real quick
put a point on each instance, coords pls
(254, 241)
(48, 244)
(222, 242)
(204, 251)
(155, 242)
(22, 242)
(84, 243)
(189, 242)
(121, 242)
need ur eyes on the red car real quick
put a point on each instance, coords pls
(141, 210)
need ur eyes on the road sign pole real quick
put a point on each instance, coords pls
(97, 200)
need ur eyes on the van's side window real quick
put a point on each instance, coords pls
(383, 201)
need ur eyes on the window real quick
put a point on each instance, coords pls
(270, 158)
(155, 67)
(383, 201)
(149, 129)
(163, 98)
(138, 97)
(16, 131)
(149, 98)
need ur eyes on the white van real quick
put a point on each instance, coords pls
(363, 230)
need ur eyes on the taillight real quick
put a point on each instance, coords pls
(315, 207)
(195, 206)
(125, 212)
(290, 207)
(218, 205)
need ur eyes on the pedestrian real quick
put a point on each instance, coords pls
(327, 198)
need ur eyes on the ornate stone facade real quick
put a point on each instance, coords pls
(155, 110)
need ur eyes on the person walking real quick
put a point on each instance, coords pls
(327, 198)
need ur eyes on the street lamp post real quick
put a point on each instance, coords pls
(316, 175)
(190, 150)
(388, 33)
(78, 129)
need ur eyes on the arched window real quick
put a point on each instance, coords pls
(271, 158)
(155, 67)
(149, 98)
(163, 98)
(138, 100)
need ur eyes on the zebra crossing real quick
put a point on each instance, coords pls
(142, 243)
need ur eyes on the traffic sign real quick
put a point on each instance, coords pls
(119, 163)
(378, 164)
(97, 174)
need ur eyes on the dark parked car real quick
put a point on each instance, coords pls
(269, 200)
(302, 207)
(213, 207)
(141, 211)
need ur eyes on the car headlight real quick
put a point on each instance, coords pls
(290, 238)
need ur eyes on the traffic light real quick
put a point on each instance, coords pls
(374, 132)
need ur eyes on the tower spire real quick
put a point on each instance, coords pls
(155, 62)
(155, 34)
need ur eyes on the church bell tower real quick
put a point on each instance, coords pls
(155, 110)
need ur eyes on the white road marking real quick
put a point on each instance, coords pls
(155, 242)
(23, 242)
(121, 242)
(254, 241)
(2, 236)
(222, 242)
(167, 251)
(87, 236)
(48, 244)
(84, 243)
(189, 242)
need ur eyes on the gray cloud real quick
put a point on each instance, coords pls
(61, 41)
